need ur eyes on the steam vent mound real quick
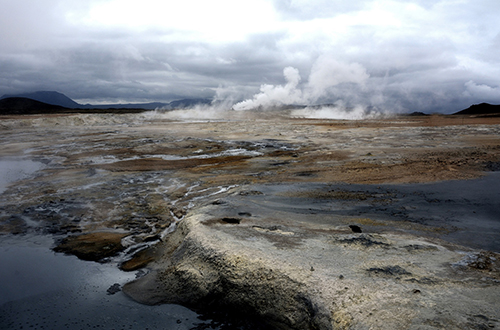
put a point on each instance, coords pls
(270, 218)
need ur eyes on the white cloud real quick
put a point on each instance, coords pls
(212, 21)
(482, 91)
(410, 54)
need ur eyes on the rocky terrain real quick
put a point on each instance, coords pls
(387, 223)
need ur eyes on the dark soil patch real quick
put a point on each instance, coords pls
(492, 166)
(158, 164)
(389, 270)
(363, 240)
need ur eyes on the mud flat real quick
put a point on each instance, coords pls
(299, 223)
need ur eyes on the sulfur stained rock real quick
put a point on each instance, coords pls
(92, 246)
(141, 259)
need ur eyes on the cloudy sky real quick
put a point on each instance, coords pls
(407, 55)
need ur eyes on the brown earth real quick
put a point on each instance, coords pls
(92, 246)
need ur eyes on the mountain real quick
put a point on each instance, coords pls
(48, 97)
(178, 104)
(187, 103)
(144, 106)
(59, 99)
(416, 114)
(26, 106)
(480, 109)
(22, 105)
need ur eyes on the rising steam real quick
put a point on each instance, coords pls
(272, 96)
(328, 80)
(337, 84)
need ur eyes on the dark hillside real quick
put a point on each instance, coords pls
(22, 105)
(480, 109)
(59, 99)
(49, 97)
(26, 106)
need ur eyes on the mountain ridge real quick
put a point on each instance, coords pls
(480, 109)
(26, 106)
(23, 105)
(48, 97)
(59, 99)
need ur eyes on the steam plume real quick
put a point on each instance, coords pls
(271, 96)
(327, 80)
(328, 73)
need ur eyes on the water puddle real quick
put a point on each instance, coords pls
(44, 290)
(14, 169)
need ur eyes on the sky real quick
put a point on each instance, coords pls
(395, 56)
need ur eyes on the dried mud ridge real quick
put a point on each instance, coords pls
(296, 270)
(204, 207)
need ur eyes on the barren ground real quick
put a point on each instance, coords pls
(256, 198)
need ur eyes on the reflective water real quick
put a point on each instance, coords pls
(43, 290)
(14, 169)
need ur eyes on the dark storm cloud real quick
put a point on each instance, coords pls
(414, 55)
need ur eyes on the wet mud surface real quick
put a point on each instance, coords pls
(113, 188)
(464, 212)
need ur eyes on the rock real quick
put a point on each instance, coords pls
(178, 213)
(293, 281)
(115, 288)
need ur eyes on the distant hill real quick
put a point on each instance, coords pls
(48, 97)
(144, 106)
(416, 114)
(480, 109)
(186, 103)
(178, 104)
(59, 99)
(22, 105)
(26, 106)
